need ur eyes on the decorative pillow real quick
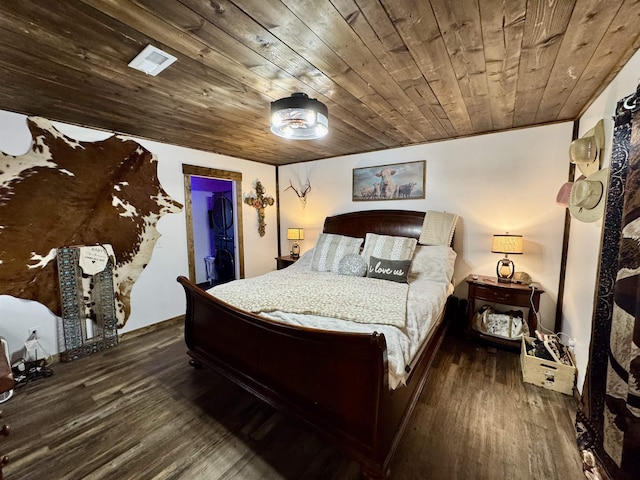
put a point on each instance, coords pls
(388, 247)
(394, 270)
(435, 262)
(330, 249)
(352, 264)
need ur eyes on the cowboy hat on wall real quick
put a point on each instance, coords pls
(562, 198)
(586, 152)
(587, 197)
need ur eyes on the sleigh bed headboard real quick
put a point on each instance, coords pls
(400, 223)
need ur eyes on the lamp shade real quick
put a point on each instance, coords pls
(299, 117)
(508, 244)
(295, 234)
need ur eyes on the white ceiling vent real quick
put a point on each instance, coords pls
(152, 60)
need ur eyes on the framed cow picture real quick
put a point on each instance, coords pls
(397, 181)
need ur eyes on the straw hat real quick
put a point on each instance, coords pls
(587, 197)
(586, 152)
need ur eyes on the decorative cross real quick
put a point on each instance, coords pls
(259, 201)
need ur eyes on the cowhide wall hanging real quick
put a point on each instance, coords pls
(66, 192)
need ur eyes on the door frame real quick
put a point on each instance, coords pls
(236, 177)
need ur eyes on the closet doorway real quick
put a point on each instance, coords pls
(213, 200)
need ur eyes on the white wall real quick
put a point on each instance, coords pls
(156, 296)
(496, 183)
(585, 238)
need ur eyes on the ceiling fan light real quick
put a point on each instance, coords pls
(299, 117)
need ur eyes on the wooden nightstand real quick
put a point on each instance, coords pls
(488, 290)
(285, 261)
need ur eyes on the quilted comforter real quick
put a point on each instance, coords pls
(358, 299)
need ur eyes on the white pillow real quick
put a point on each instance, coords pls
(330, 249)
(433, 262)
(388, 247)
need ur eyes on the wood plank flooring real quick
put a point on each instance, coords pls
(138, 411)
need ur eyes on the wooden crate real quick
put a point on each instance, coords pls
(545, 373)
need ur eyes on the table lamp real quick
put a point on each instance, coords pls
(506, 244)
(295, 234)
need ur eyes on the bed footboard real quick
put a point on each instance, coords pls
(336, 382)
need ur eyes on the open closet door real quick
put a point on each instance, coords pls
(608, 418)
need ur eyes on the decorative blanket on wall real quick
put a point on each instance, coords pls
(359, 299)
(66, 192)
(608, 419)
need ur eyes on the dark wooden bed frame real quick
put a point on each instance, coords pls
(336, 382)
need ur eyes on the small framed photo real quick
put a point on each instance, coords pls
(397, 181)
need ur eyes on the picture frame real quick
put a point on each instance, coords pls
(396, 181)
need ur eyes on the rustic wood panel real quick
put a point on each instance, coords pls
(417, 25)
(545, 24)
(459, 24)
(342, 105)
(139, 411)
(588, 18)
(337, 34)
(369, 20)
(502, 30)
(617, 46)
(392, 72)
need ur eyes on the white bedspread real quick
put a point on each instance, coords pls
(425, 302)
(359, 299)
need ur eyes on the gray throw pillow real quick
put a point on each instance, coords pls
(394, 270)
(352, 264)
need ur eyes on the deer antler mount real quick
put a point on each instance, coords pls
(302, 193)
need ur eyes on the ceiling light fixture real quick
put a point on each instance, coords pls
(299, 117)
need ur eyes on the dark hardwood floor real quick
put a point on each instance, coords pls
(139, 411)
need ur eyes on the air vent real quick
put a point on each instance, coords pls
(152, 60)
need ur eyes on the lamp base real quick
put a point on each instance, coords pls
(505, 270)
(295, 251)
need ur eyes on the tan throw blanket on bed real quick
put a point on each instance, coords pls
(359, 299)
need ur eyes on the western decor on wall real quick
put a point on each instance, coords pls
(259, 200)
(398, 181)
(302, 193)
(608, 417)
(64, 192)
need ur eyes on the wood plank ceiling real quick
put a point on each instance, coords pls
(392, 72)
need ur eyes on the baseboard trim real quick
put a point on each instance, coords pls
(150, 328)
